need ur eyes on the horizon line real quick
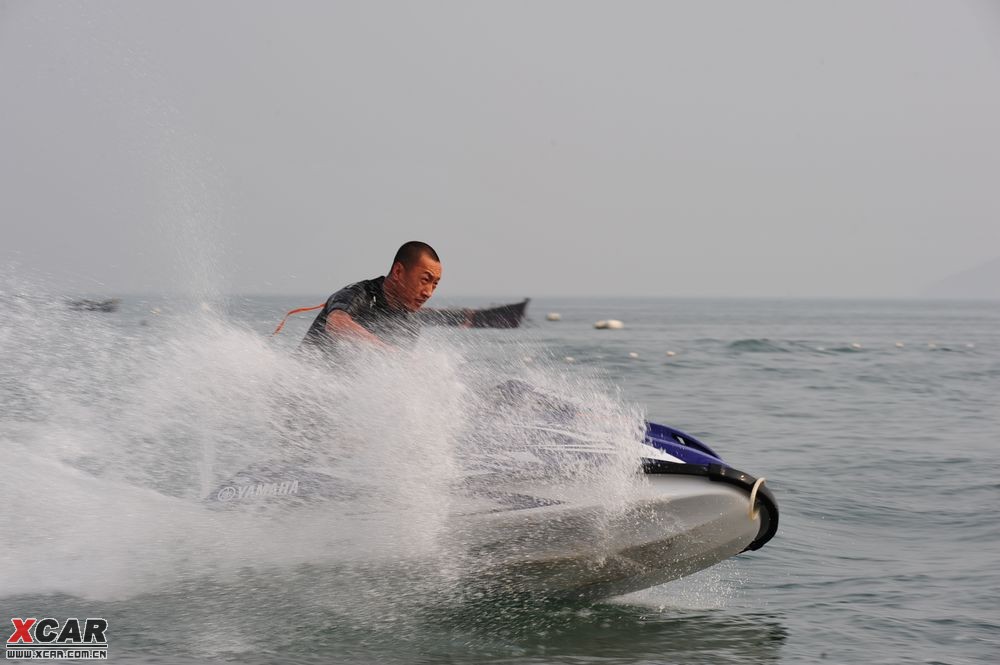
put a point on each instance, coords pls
(508, 298)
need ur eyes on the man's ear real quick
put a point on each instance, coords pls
(397, 270)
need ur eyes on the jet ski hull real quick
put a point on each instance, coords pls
(673, 525)
(515, 531)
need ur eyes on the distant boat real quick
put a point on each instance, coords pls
(87, 305)
(501, 316)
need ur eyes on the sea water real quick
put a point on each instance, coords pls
(875, 424)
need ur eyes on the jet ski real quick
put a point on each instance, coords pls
(690, 511)
(522, 531)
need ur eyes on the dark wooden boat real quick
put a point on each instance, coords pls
(87, 305)
(501, 316)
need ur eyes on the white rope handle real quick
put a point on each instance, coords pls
(753, 498)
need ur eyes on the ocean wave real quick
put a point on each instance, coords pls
(759, 345)
(767, 345)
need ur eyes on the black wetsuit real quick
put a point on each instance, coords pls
(366, 304)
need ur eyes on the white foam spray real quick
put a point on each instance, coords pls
(115, 435)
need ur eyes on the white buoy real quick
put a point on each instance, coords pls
(970, 346)
(931, 345)
(155, 310)
(570, 359)
(821, 348)
(671, 354)
(609, 324)
(633, 354)
(855, 345)
(899, 345)
(528, 359)
(553, 316)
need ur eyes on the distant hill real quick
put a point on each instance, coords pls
(979, 283)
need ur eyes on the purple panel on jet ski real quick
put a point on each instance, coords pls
(682, 446)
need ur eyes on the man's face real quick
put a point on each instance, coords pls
(416, 284)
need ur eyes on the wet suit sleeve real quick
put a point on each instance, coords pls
(350, 299)
(353, 300)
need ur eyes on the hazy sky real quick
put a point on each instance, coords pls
(841, 148)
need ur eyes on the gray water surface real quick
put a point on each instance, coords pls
(875, 423)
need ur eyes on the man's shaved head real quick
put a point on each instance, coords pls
(411, 252)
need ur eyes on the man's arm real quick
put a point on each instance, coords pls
(340, 324)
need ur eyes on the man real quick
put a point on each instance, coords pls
(379, 311)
